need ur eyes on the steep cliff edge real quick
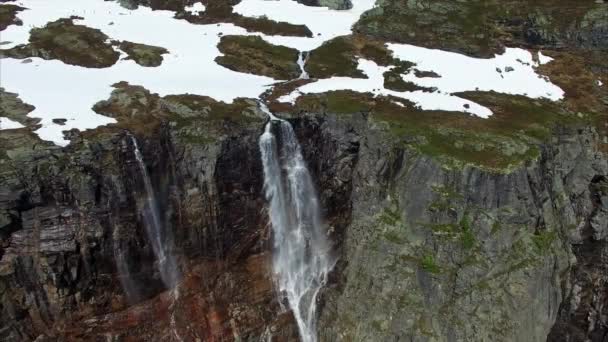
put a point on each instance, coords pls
(426, 251)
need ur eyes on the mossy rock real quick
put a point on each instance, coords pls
(8, 15)
(339, 57)
(500, 143)
(144, 55)
(13, 108)
(70, 43)
(252, 54)
(483, 28)
(221, 12)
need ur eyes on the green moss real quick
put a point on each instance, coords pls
(394, 237)
(543, 241)
(467, 237)
(377, 53)
(390, 217)
(334, 58)
(496, 227)
(429, 264)
(500, 143)
(339, 57)
(338, 102)
(252, 54)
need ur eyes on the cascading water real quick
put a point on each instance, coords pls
(302, 63)
(167, 265)
(301, 260)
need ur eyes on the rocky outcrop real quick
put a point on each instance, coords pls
(454, 255)
(484, 28)
(68, 42)
(142, 54)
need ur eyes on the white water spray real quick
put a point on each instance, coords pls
(301, 260)
(167, 265)
(302, 62)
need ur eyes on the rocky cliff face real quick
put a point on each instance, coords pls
(434, 254)
(425, 252)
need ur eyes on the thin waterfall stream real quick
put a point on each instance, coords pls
(302, 56)
(301, 260)
(167, 265)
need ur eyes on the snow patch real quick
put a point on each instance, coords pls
(458, 73)
(6, 123)
(324, 23)
(375, 84)
(542, 59)
(58, 90)
(196, 8)
(462, 73)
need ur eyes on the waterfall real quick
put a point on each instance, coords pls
(149, 209)
(300, 259)
(122, 264)
(302, 63)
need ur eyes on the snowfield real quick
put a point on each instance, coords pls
(6, 123)
(510, 73)
(58, 90)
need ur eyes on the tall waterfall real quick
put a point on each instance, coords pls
(301, 258)
(158, 238)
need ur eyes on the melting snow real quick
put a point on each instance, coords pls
(195, 8)
(462, 73)
(542, 59)
(324, 23)
(6, 123)
(510, 73)
(375, 84)
(58, 90)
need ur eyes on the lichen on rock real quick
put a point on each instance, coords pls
(68, 42)
(142, 54)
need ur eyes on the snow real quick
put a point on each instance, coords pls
(600, 83)
(542, 59)
(195, 8)
(65, 91)
(6, 123)
(510, 73)
(462, 73)
(375, 85)
(324, 23)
